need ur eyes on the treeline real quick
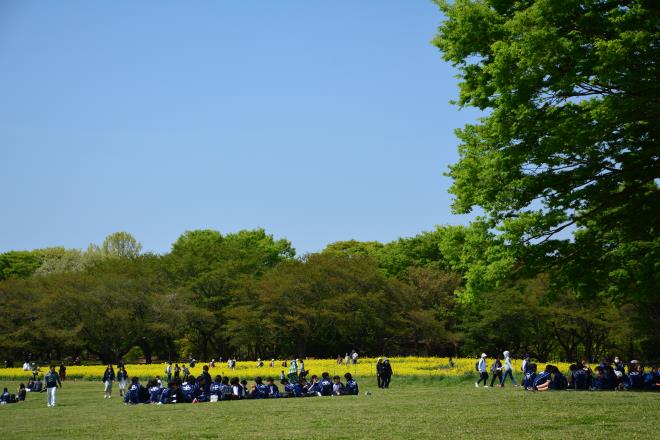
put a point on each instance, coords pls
(246, 294)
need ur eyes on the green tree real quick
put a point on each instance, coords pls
(121, 244)
(569, 143)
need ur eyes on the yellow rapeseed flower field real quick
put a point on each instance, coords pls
(402, 366)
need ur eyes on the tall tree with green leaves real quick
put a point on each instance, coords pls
(566, 164)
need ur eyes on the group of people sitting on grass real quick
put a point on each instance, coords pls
(608, 375)
(193, 389)
(6, 397)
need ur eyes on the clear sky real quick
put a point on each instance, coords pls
(316, 120)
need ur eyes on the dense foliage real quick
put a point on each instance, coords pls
(245, 294)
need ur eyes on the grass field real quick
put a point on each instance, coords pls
(415, 407)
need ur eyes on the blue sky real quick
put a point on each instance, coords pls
(318, 121)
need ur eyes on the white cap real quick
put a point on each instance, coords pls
(634, 362)
(483, 355)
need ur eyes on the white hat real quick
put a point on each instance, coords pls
(634, 362)
(483, 355)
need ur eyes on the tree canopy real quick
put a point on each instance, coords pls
(565, 164)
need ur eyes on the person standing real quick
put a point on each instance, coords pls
(52, 380)
(62, 372)
(108, 378)
(122, 381)
(496, 371)
(387, 373)
(379, 372)
(168, 372)
(482, 368)
(508, 369)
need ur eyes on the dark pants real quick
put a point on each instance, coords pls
(386, 381)
(483, 376)
(380, 381)
(497, 375)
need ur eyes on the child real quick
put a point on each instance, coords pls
(326, 384)
(351, 385)
(189, 389)
(581, 378)
(236, 389)
(216, 388)
(496, 371)
(259, 390)
(530, 376)
(542, 381)
(559, 381)
(5, 397)
(122, 380)
(507, 369)
(133, 395)
(272, 390)
(313, 388)
(338, 388)
(482, 368)
(291, 390)
(155, 391)
(226, 389)
(108, 378)
(21, 393)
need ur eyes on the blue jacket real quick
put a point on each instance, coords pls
(133, 394)
(108, 376)
(540, 379)
(216, 389)
(189, 391)
(326, 387)
(273, 391)
(581, 380)
(528, 381)
(260, 391)
(559, 382)
(352, 387)
(154, 394)
(293, 389)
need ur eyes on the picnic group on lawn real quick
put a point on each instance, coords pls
(608, 375)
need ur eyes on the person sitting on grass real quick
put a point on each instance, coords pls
(259, 390)
(650, 380)
(226, 389)
(291, 389)
(351, 385)
(237, 391)
(22, 392)
(581, 379)
(155, 391)
(559, 381)
(326, 384)
(338, 388)
(189, 389)
(272, 390)
(600, 381)
(134, 392)
(37, 386)
(312, 388)
(216, 388)
(5, 397)
(530, 376)
(30, 385)
(542, 380)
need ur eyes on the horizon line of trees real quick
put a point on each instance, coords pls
(246, 294)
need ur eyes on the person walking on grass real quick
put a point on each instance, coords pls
(52, 380)
(122, 381)
(482, 368)
(108, 379)
(508, 369)
(379, 372)
(496, 371)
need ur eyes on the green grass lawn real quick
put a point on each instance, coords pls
(411, 409)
